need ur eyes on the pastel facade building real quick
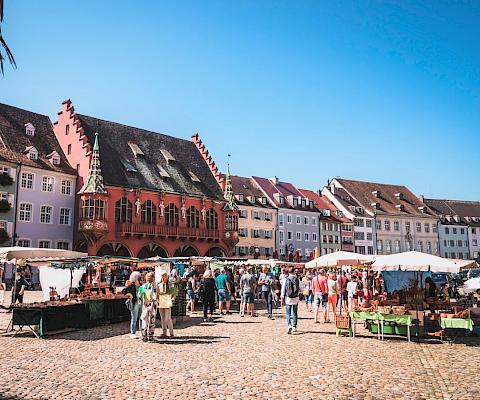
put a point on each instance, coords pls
(459, 228)
(298, 218)
(145, 194)
(401, 222)
(257, 220)
(361, 221)
(42, 192)
(330, 225)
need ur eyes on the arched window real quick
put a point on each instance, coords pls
(93, 209)
(123, 211)
(148, 213)
(231, 223)
(171, 215)
(212, 219)
(193, 217)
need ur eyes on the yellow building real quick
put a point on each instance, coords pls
(257, 220)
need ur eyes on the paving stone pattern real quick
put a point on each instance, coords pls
(235, 358)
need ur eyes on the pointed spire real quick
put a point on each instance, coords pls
(94, 183)
(230, 205)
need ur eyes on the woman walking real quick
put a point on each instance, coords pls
(208, 290)
(307, 290)
(191, 289)
(332, 295)
(148, 294)
(165, 302)
(135, 305)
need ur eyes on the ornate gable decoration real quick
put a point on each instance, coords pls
(94, 183)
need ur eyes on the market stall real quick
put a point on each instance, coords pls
(407, 280)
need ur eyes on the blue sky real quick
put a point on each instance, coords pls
(306, 90)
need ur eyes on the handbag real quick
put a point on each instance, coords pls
(164, 301)
(129, 304)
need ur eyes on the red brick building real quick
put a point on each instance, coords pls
(145, 194)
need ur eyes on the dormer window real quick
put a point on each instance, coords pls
(400, 207)
(399, 196)
(240, 197)
(376, 193)
(54, 158)
(311, 204)
(32, 153)
(263, 200)
(376, 206)
(137, 151)
(162, 171)
(304, 203)
(168, 157)
(29, 129)
(252, 199)
(193, 176)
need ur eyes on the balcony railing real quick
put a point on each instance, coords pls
(171, 231)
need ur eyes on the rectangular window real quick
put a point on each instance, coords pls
(378, 224)
(459, 243)
(447, 230)
(474, 242)
(5, 171)
(452, 243)
(387, 225)
(45, 215)
(280, 219)
(369, 236)
(289, 235)
(26, 181)
(298, 220)
(47, 184)
(368, 223)
(358, 222)
(407, 226)
(25, 214)
(454, 231)
(419, 226)
(243, 214)
(281, 237)
(66, 187)
(427, 228)
(314, 221)
(289, 219)
(64, 216)
(69, 149)
(305, 220)
(324, 238)
(23, 242)
(299, 236)
(336, 239)
(306, 237)
(379, 246)
(314, 237)
(396, 226)
(359, 235)
(44, 244)
(462, 231)
(434, 228)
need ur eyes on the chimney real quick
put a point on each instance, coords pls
(274, 180)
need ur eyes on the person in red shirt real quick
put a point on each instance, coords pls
(320, 294)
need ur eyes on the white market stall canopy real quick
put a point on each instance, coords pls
(339, 258)
(472, 284)
(415, 261)
(10, 254)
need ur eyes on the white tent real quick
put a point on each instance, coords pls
(339, 258)
(10, 254)
(472, 284)
(415, 261)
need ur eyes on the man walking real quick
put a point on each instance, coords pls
(248, 286)
(289, 296)
(266, 280)
(223, 286)
(320, 293)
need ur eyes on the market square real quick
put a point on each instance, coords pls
(239, 200)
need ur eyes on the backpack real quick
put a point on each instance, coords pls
(292, 287)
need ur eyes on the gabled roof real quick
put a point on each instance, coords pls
(176, 157)
(14, 141)
(247, 187)
(463, 209)
(386, 198)
(322, 203)
(270, 188)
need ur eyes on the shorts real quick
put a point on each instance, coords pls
(332, 299)
(223, 295)
(190, 294)
(344, 296)
(248, 298)
(320, 300)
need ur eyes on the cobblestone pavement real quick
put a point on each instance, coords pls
(235, 358)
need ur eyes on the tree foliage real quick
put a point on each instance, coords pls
(5, 53)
